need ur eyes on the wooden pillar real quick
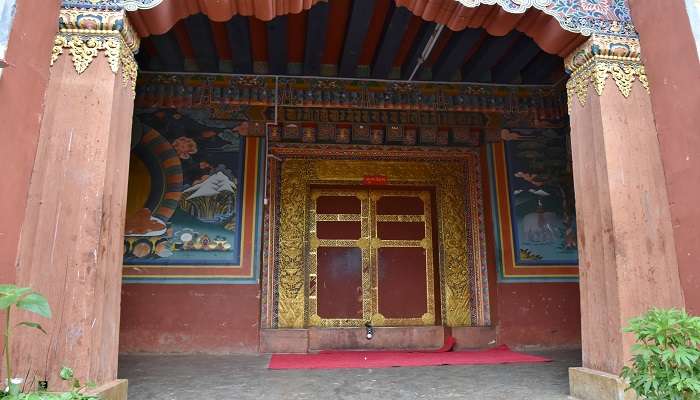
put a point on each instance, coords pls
(626, 250)
(72, 235)
(674, 77)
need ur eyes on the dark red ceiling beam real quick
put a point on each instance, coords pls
(335, 33)
(202, 39)
(508, 70)
(460, 44)
(277, 45)
(296, 37)
(238, 35)
(408, 40)
(183, 40)
(316, 28)
(258, 39)
(355, 35)
(374, 33)
(478, 69)
(223, 49)
(391, 43)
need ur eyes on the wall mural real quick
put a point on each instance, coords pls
(543, 213)
(184, 202)
(534, 204)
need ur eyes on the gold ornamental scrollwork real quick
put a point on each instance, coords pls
(600, 58)
(84, 34)
(292, 245)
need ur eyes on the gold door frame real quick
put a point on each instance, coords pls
(369, 244)
(456, 184)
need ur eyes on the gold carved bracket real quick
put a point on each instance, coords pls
(600, 58)
(87, 33)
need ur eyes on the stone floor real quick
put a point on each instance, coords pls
(242, 377)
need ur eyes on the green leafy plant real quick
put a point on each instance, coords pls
(77, 391)
(666, 357)
(11, 297)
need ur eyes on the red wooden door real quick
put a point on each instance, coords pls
(370, 257)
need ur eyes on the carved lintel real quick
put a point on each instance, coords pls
(85, 33)
(602, 57)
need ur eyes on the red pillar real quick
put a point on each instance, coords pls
(671, 60)
(71, 243)
(627, 255)
(22, 87)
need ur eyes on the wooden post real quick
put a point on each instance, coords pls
(627, 255)
(71, 241)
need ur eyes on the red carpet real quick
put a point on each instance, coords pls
(386, 359)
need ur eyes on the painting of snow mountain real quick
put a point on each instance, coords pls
(184, 198)
(541, 194)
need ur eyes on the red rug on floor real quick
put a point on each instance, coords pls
(386, 359)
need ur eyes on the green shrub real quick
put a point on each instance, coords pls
(666, 362)
(13, 298)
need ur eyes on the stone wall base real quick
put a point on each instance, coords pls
(409, 337)
(284, 340)
(589, 384)
(385, 338)
(475, 337)
(115, 390)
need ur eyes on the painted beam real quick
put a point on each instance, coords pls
(452, 58)
(277, 45)
(478, 68)
(315, 38)
(391, 43)
(541, 68)
(238, 32)
(202, 40)
(508, 70)
(169, 52)
(360, 17)
(422, 38)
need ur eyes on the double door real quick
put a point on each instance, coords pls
(370, 257)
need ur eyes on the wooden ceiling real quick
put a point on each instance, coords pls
(352, 39)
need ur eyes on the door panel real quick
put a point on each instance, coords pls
(401, 282)
(339, 282)
(351, 230)
(370, 257)
(401, 230)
